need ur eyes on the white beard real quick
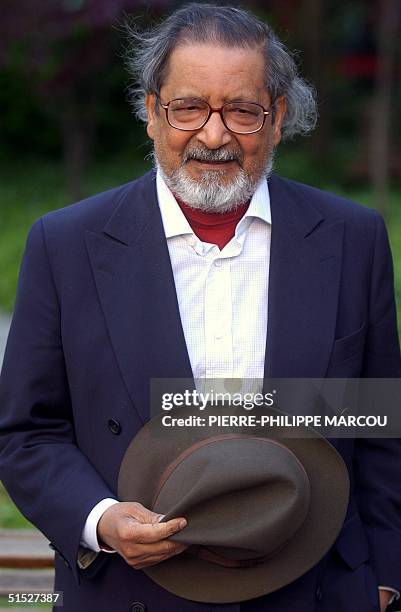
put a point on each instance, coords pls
(209, 193)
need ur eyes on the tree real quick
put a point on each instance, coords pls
(380, 137)
(66, 52)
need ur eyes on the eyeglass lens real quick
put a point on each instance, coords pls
(190, 114)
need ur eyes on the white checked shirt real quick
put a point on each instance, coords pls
(222, 295)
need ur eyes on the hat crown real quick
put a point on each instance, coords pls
(244, 497)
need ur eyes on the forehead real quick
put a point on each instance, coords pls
(215, 72)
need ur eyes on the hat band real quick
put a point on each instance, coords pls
(206, 554)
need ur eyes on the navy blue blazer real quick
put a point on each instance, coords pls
(96, 316)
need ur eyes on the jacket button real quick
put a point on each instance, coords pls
(319, 594)
(137, 606)
(114, 427)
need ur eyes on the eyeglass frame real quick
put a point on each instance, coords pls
(269, 111)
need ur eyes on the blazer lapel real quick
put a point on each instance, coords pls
(135, 283)
(304, 278)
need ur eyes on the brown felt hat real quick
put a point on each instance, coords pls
(262, 507)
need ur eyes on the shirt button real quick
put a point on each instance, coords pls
(114, 426)
(137, 606)
(319, 594)
(217, 263)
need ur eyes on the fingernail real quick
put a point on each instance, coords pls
(182, 523)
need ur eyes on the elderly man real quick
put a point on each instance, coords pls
(209, 266)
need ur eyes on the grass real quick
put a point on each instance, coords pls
(10, 518)
(29, 606)
(393, 222)
(28, 191)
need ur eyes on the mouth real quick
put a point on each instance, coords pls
(213, 165)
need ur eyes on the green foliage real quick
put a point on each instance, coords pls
(29, 190)
(29, 606)
(25, 124)
(10, 517)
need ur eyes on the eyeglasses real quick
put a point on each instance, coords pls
(189, 114)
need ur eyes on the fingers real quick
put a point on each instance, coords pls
(149, 544)
(137, 534)
(142, 518)
(165, 548)
(139, 560)
(142, 514)
(154, 532)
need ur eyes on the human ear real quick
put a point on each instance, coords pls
(280, 107)
(150, 101)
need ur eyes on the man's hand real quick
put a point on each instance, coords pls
(136, 534)
(385, 597)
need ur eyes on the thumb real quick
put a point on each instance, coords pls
(144, 515)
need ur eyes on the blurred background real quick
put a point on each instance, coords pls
(66, 130)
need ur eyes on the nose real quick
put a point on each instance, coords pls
(214, 134)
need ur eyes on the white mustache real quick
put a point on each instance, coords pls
(211, 155)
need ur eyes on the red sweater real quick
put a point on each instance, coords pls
(213, 227)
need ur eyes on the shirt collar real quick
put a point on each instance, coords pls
(175, 223)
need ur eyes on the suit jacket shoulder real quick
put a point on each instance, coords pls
(331, 206)
(93, 212)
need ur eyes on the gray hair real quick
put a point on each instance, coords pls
(148, 54)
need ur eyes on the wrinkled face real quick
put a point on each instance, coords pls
(212, 168)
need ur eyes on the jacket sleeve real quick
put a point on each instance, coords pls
(378, 461)
(48, 477)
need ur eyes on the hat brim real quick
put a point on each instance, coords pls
(198, 580)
